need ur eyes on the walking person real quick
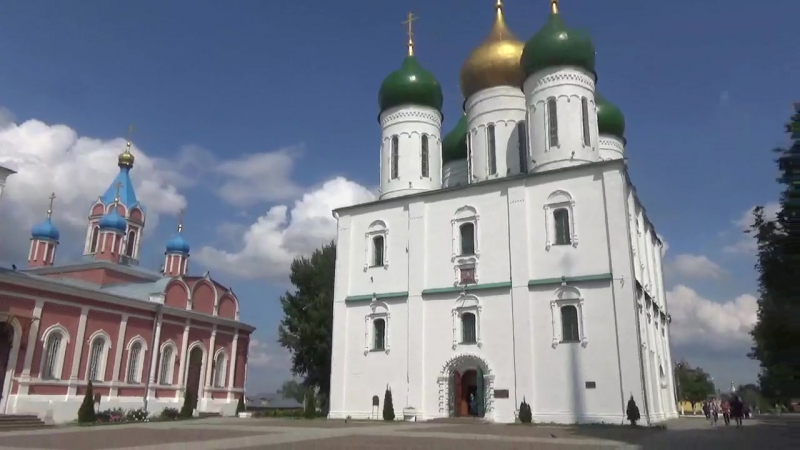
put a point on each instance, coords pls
(706, 410)
(714, 412)
(737, 410)
(726, 412)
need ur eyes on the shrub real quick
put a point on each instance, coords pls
(170, 413)
(632, 411)
(187, 410)
(86, 411)
(388, 406)
(240, 406)
(136, 415)
(525, 413)
(310, 410)
(110, 415)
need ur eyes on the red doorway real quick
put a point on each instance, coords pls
(466, 389)
(193, 374)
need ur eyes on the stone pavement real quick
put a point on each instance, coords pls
(275, 434)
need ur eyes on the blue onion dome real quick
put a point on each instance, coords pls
(177, 244)
(610, 119)
(556, 45)
(45, 230)
(113, 221)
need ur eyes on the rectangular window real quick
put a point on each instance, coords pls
(393, 164)
(377, 251)
(94, 359)
(469, 333)
(467, 232)
(585, 113)
(522, 144)
(133, 364)
(552, 121)
(424, 156)
(492, 147)
(380, 334)
(166, 362)
(569, 324)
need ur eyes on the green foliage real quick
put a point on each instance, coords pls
(293, 389)
(169, 414)
(776, 335)
(307, 326)
(310, 409)
(240, 406)
(388, 406)
(694, 384)
(136, 415)
(525, 413)
(86, 411)
(188, 405)
(632, 411)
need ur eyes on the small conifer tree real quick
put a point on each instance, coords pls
(86, 412)
(240, 406)
(525, 413)
(632, 411)
(388, 406)
(311, 404)
(187, 410)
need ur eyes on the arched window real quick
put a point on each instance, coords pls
(585, 116)
(467, 231)
(131, 241)
(469, 158)
(167, 363)
(53, 354)
(394, 163)
(569, 324)
(379, 334)
(469, 333)
(96, 353)
(220, 367)
(561, 219)
(522, 145)
(552, 121)
(492, 147)
(135, 357)
(424, 155)
(377, 251)
(93, 246)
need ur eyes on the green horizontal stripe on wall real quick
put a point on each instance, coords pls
(469, 288)
(584, 278)
(369, 297)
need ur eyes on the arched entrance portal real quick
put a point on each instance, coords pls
(194, 373)
(466, 387)
(7, 363)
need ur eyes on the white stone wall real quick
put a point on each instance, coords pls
(502, 107)
(611, 147)
(517, 298)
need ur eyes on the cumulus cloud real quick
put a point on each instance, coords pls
(698, 321)
(696, 266)
(267, 247)
(746, 243)
(53, 158)
(260, 177)
(263, 355)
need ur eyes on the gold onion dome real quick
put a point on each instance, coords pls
(125, 159)
(496, 62)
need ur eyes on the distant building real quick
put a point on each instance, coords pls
(140, 337)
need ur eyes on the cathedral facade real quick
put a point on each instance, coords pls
(143, 339)
(509, 260)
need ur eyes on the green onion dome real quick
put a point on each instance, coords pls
(610, 119)
(411, 84)
(556, 45)
(454, 145)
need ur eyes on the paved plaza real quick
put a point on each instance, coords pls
(275, 434)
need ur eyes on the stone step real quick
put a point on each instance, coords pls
(14, 422)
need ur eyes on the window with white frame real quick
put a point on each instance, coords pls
(220, 368)
(424, 157)
(566, 310)
(376, 242)
(93, 240)
(522, 146)
(394, 161)
(376, 334)
(552, 121)
(491, 145)
(99, 346)
(587, 141)
(136, 358)
(55, 340)
(167, 364)
(466, 321)
(466, 235)
(466, 248)
(559, 216)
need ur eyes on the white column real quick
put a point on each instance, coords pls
(210, 361)
(156, 344)
(33, 334)
(182, 366)
(123, 325)
(77, 352)
(232, 365)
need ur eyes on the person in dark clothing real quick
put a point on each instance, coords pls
(737, 410)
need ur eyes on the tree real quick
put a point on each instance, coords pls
(292, 389)
(695, 384)
(388, 406)
(525, 413)
(86, 412)
(187, 410)
(240, 406)
(632, 411)
(776, 335)
(307, 326)
(310, 410)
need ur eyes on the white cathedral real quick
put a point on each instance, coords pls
(509, 261)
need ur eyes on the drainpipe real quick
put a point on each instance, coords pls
(511, 295)
(614, 304)
(155, 348)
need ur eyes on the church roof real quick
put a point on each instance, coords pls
(127, 196)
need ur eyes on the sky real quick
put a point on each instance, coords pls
(258, 117)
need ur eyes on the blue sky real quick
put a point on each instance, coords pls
(705, 87)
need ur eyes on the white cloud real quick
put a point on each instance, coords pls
(698, 321)
(260, 177)
(53, 158)
(696, 266)
(262, 355)
(269, 245)
(746, 243)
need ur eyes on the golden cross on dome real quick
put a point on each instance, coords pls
(554, 6)
(409, 23)
(118, 187)
(181, 216)
(130, 138)
(50, 208)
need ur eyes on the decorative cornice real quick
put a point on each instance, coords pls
(414, 114)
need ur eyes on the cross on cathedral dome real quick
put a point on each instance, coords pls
(46, 229)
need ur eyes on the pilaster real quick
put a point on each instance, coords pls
(415, 361)
(182, 365)
(120, 345)
(154, 355)
(77, 352)
(30, 346)
(232, 371)
(517, 214)
(210, 363)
